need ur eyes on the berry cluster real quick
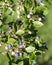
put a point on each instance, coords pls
(19, 24)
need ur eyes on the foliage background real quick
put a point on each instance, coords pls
(46, 33)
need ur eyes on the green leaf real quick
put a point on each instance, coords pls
(45, 12)
(11, 40)
(8, 11)
(9, 19)
(4, 28)
(0, 23)
(15, 27)
(33, 56)
(5, 0)
(37, 24)
(30, 49)
(14, 64)
(20, 63)
(14, 1)
(20, 32)
(38, 52)
(25, 9)
(4, 39)
(14, 16)
(25, 55)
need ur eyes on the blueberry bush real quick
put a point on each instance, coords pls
(19, 24)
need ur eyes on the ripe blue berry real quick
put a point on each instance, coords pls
(10, 46)
(19, 22)
(36, 46)
(44, 46)
(39, 1)
(21, 45)
(34, 61)
(20, 42)
(43, 17)
(37, 37)
(10, 27)
(17, 54)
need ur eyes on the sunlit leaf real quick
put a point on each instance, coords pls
(20, 63)
(37, 24)
(30, 49)
(20, 32)
(11, 40)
